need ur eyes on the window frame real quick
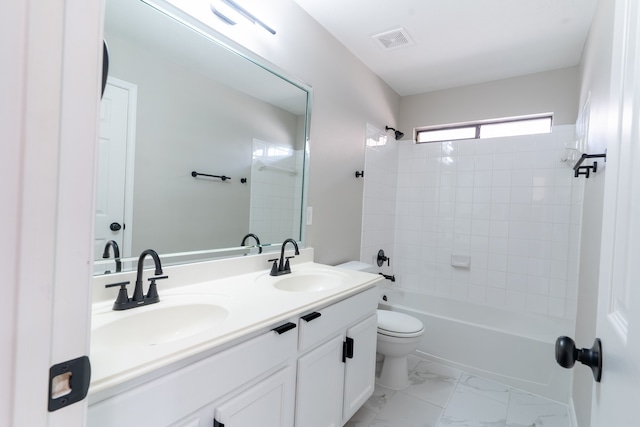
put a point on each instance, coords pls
(478, 126)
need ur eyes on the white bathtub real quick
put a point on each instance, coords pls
(514, 348)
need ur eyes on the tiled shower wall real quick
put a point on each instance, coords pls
(508, 203)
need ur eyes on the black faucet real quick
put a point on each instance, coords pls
(123, 302)
(116, 254)
(284, 267)
(244, 240)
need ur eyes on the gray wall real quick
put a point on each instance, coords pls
(346, 95)
(551, 91)
(595, 80)
(179, 130)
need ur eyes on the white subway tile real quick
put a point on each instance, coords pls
(519, 229)
(500, 211)
(502, 161)
(484, 162)
(481, 194)
(480, 227)
(464, 210)
(477, 293)
(500, 195)
(537, 303)
(481, 211)
(465, 178)
(479, 243)
(478, 276)
(464, 195)
(484, 146)
(544, 177)
(516, 300)
(520, 212)
(521, 195)
(522, 177)
(501, 178)
(499, 228)
(517, 282)
(557, 307)
(497, 279)
(497, 262)
(499, 245)
(482, 178)
(496, 297)
(517, 264)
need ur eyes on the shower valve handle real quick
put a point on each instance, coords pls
(382, 258)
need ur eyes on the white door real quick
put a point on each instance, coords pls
(616, 398)
(115, 165)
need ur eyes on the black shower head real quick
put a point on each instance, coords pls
(399, 134)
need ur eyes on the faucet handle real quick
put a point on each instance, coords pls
(152, 293)
(287, 267)
(274, 267)
(123, 296)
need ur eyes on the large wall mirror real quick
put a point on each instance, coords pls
(177, 102)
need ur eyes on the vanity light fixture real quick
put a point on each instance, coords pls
(228, 11)
(399, 134)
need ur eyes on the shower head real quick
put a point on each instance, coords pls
(399, 134)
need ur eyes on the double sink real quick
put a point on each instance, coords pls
(194, 318)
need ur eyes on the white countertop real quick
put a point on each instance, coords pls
(252, 303)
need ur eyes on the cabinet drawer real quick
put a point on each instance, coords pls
(335, 318)
(195, 385)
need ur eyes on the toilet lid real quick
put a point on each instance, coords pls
(392, 323)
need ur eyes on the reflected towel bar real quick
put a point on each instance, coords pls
(195, 174)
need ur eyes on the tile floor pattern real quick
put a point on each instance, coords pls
(440, 396)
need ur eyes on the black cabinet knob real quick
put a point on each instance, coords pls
(567, 354)
(115, 226)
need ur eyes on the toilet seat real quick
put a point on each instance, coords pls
(394, 324)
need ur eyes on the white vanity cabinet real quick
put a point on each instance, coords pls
(315, 370)
(236, 384)
(336, 368)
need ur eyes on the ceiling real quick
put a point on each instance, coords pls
(457, 42)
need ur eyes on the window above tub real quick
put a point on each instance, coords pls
(512, 126)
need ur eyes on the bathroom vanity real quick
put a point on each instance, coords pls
(298, 349)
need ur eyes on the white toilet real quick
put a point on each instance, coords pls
(398, 336)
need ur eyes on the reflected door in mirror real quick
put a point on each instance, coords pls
(111, 192)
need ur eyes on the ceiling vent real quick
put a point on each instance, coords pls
(394, 39)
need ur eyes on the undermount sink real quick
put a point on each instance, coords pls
(309, 281)
(155, 325)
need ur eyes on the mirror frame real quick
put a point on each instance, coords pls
(172, 12)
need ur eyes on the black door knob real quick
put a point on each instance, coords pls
(115, 226)
(567, 354)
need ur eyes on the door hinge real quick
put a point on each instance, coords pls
(347, 349)
(69, 382)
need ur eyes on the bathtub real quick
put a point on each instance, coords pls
(513, 348)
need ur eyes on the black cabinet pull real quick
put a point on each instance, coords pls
(217, 424)
(284, 328)
(347, 349)
(309, 317)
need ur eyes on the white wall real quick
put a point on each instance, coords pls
(595, 84)
(551, 91)
(346, 95)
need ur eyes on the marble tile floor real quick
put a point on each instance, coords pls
(440, 396)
